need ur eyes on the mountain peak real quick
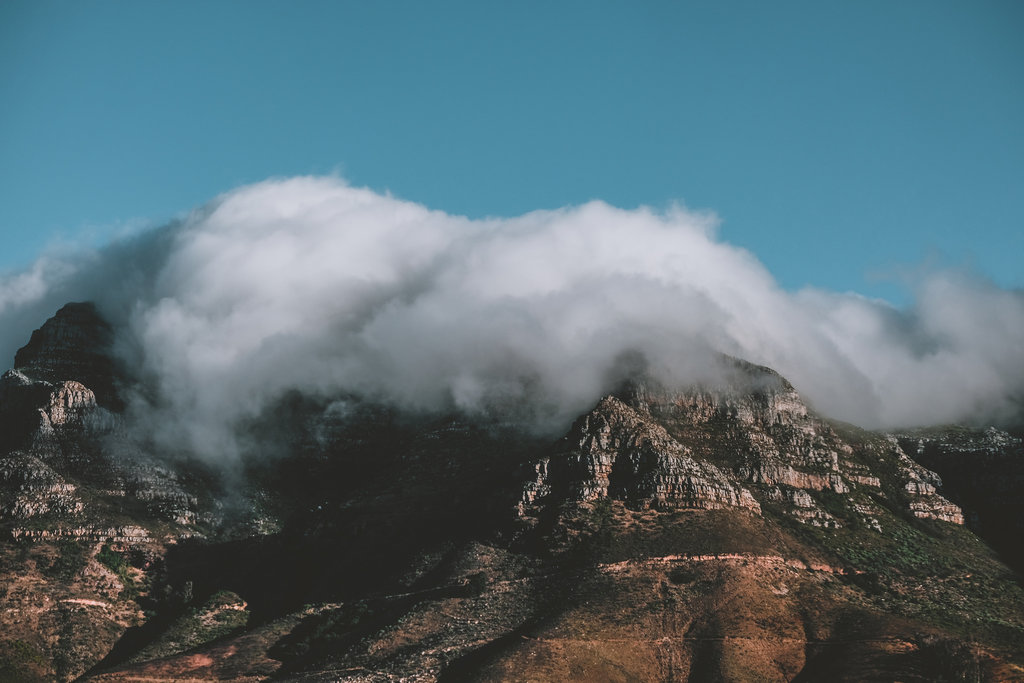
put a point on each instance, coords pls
(75, 344)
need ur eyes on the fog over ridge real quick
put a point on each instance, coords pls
(311, 284)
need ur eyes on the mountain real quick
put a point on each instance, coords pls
(721, 531)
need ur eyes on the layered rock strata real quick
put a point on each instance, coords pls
(745, 439)
(614, 452)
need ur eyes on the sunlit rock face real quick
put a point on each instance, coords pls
(747, 428)
(615, 451)
(755, 422)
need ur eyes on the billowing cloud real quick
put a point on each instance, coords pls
(314, 285)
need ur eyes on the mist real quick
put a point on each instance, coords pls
(310, 284)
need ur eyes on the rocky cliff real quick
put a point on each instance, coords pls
(83, 505)
(614, 452)
(745, 440)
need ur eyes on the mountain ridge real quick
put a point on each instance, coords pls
(713, 532)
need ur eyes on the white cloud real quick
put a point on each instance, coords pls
(308, 283)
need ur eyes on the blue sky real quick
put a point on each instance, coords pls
(839, 142)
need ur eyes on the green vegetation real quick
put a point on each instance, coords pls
(21, 662)
(602, 519)
(837, 505)
(72, 557)
(222, 614)
(111, 559)
(682, 575)
(116, 563)
(324, 632)
(935, 571)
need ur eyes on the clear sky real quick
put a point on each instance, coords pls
(838, 141)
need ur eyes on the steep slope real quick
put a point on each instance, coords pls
(984, 473)
(716, 532)
(804, 552)
(85, 511)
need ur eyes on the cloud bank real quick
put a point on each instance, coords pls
(311, 284)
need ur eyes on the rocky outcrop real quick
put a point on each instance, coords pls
(754, 425)
(30, 488)
(745, 440)
(982, 471)
(800, 504)
(762, 470)
(751, 420)
(615, 452)
(119, 534)
(922, 486)
(69, 402)
(158, 486)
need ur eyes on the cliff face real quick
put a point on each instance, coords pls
(746, 440)
(713, 532)
(615, 452)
